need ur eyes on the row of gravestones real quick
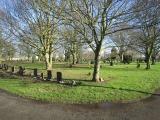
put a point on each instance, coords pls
(21, 72)
(49, 75)
(4, 66)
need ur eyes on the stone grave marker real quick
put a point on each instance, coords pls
(21, 71)
(59, 76)
(49, 75)
(35, 73)
(12, 69)
(42, 76)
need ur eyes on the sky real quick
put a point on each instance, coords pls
(7, 3)
(2, 3)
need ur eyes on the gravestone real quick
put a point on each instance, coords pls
(1, 67)
(12, 69)
(42, 77)
(138, 65)
(35, 72)
(111, 63)
(100, 66)
(49, 75)
(21, 71)
(59, 76)
(5, 67)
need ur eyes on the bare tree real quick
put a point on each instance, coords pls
(37, 24)
(71, 44)
(8, 50)
(122, 41)
(25, 50)
(96, 19)
(1, 45)
(148, 34)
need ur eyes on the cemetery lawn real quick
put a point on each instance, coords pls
(123, 83)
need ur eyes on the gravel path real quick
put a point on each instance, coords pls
(17, 108)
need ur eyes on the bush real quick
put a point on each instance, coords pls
(127, 59)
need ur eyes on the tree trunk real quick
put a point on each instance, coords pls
(111, 63)
(148, 56)
(148, 62)
(96, 76)
(74, 58)
(153, 56)
(48, 60)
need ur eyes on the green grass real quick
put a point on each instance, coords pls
(121, 84)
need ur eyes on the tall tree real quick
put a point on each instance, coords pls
(96, 19)
(148, 34)
(36, 22)
(71, 44)
(8, 50)
(1, 46)
(122, 41)
(25, 50)
(113, 55)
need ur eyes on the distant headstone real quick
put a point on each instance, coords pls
(73, 83)
(59, 76)
(92, 62)
(111, 63)
(138, 65)
(35, 72)
(49, 74)
(42, 77)
(1, 67)
(12, 69)
(89, 74)
(5, 67)
(21, 71)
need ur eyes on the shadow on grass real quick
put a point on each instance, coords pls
(82, 80)
(123, 69)
(123, 89)
(68, 82)
(100, 86)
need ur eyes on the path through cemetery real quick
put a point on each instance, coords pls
(16, 108)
